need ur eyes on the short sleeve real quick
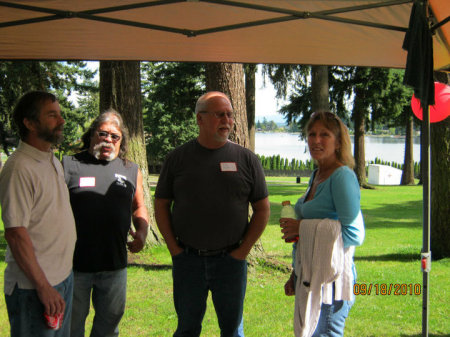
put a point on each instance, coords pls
(164, 187)
(16, 196)
(260, 188)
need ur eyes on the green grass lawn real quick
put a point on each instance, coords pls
(389, 255)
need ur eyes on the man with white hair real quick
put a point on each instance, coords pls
(106, 192)
(201, 208)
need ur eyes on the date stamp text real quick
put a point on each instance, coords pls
(386, 289)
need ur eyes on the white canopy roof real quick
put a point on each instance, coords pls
(328, 32)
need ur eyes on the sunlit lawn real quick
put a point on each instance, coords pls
(389, 255)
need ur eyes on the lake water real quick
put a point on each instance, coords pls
(289, 145)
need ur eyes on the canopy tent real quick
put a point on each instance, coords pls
(331, 32)
(319, 32)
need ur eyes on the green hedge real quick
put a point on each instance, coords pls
(276, 163)
(297, 167)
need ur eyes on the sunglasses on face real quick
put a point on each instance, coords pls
(104, 135)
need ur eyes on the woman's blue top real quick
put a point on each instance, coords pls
(337, 198)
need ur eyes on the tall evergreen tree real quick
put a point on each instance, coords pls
(170, 92)
(374, 94)
(440, 183)
(250, 93)
(60, 78)
(229, 79)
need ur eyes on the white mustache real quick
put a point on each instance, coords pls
(99, 146)
(104, 144)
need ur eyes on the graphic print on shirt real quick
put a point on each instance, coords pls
(121, 180)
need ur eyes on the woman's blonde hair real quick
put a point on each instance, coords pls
(340, 131)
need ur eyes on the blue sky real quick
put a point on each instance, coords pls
(266, 104)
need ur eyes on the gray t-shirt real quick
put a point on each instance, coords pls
(211, 191)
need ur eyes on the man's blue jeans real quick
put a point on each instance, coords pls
(109, 290)
(193, 277)
(26, 312)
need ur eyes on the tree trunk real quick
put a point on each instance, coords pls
(250, 83)
(229, 79)
(319, 88)
(440, 188)
(440, 184)
(120, 89)
(359, 118)
(408, 165)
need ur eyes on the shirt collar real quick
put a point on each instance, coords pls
(34, 152)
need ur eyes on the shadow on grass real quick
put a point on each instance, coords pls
(420, 335)
(287, 190)
(2, 246)
(391, 214)
(415, 335)
(410, 212)
(400, 257)
(148, 267)
(403, 215)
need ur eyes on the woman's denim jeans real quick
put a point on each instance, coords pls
(332, 319)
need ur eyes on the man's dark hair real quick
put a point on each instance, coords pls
(29, 106)
(111, 116)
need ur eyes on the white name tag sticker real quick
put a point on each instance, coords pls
(87, 181)
(228, 167)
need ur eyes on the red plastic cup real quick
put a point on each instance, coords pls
(53, 322)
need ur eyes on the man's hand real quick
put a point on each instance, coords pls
(138, 242)
(175, 250)
(238, 254)
(51, 299)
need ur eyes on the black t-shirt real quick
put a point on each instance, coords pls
(101, 195)
(211, 191)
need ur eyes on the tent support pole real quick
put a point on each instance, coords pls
(426, 254)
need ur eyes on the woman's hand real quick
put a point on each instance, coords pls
(289, 227)
(289, 286)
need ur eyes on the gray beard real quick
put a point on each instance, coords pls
(98, 147)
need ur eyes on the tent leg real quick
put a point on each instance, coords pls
(426, 253)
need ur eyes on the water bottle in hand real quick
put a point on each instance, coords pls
(287, 211)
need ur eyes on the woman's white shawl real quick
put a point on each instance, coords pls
(320, 260)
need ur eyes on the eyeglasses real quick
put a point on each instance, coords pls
(220, 115)
(104, 134)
